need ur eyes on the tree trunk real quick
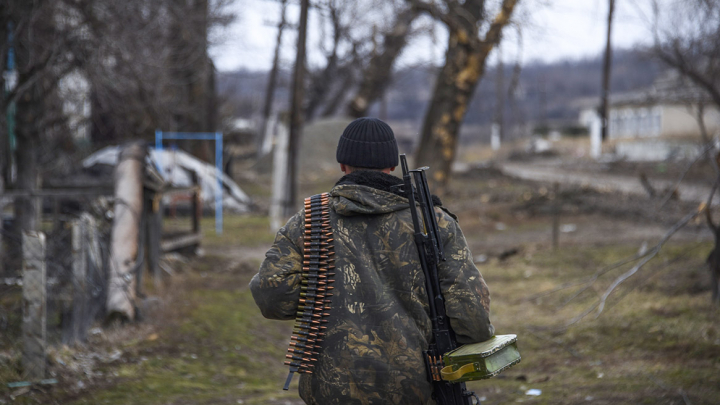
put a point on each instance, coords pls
(191, 67)
(30, 113)
(296, 110)
(377, 75)
(26, 208)
(713, 262)
(322, 80)
(453, 90)
(272, 81)
(126, 232)
(464, 65)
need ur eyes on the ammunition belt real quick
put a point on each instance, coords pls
(315, 286)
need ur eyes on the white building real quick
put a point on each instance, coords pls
(657, 123)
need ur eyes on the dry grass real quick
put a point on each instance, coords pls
(657, 342)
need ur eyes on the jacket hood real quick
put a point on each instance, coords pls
(366, 192)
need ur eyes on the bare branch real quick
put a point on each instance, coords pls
(436, 13)
(689, 166)
(651, 254)
(644, 258)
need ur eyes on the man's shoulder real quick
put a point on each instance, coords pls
(447, 212)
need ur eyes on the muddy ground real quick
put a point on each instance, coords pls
(202, 341)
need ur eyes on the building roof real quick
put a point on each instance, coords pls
(669, 88)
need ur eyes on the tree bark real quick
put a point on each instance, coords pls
(377, 75)
(465, 61)
(124, 244)
(296, 110)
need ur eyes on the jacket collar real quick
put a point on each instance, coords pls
(379, 181)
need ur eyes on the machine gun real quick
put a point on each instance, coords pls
(429, 245)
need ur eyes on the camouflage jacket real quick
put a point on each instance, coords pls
(379, 324)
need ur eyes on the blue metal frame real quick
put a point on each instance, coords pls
(202, 136)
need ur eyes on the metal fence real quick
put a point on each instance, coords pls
(53, 287)
(56, 282)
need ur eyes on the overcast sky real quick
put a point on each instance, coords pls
(552, 30)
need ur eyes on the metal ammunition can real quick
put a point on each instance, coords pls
(479, 361)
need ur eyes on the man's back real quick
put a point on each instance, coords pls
(379, 326)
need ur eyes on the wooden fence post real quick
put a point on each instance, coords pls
(154, 233)
(79, 274)
(34, 305)
(556, 217)
(96, 269)
(196, 203)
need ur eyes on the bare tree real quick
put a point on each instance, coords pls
(145, 64)
(686, 39)
(272, 79)
(321, 80)
(296, 109)
(376, 76)
(40, 46)
(347, 77)
(465, 61)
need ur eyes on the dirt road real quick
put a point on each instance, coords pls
(600, 181)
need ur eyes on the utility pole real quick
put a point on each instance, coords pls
(296, 109)
(606, 73)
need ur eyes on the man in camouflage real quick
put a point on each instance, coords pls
(379, 324)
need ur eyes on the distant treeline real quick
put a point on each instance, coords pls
(540, 94)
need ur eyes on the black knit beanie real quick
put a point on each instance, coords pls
(368, 143)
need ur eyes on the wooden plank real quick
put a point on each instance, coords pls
(34, 333)
(183, 241)
(60, 192)
(180, 190)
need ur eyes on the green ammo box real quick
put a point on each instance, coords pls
(482, 360)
